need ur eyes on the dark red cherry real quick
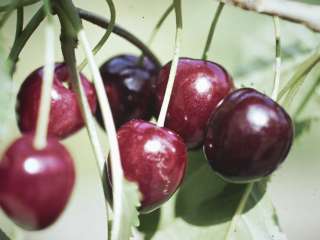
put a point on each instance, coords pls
(65, 115)
(199, 86)
(129, 86)
(35, 185)
(248, 136)
(153, 157)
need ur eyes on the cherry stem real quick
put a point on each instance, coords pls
(116, 168)
(212, 30)
(159, 24)
(19, 24)
(239, 210)
(40, 140)
(68, 44)
(157, 28)
(277, 65)
(71, 14)
(174, 65)
(105, 37)
(23, 38)
(104, 23)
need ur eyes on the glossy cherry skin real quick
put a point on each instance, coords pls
(35, 185)
(129, 86)
(199, 86)
(248, 136)
(65, 115)
(153, 157)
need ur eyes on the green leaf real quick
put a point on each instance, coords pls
(292, 92)
(294, 84)
(260, 60)
(208, 193)
(149, 223)
(303, 126)
(258, 222)
(129, 219)
(205, 206)
(261, 221)
(3, 236)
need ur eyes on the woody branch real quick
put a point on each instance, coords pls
(303, 13)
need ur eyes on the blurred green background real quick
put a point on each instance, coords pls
(244, 44)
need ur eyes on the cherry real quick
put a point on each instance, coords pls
(153, 157)
(199, 86)
(35, 185)
(129, 86)
(248, 136)
(65, 115)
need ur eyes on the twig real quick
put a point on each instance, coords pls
(303, 13)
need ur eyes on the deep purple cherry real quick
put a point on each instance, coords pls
(129, 86)
(248, 136)
(153, 157)
(35, 185)
(65, 115)
(199, 86)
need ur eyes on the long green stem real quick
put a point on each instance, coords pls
(102, 22)
(157, 28)
(40, 140)
(68, 7)
(174, 65)
(212, 30)
(68, 44)
(277, 66)
(116, 168)
(19, 24)
(105, 37)
(159, 24)
(24, 37)
(239, 211)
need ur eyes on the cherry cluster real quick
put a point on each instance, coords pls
(245, 135)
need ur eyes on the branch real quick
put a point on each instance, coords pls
(303, 13)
